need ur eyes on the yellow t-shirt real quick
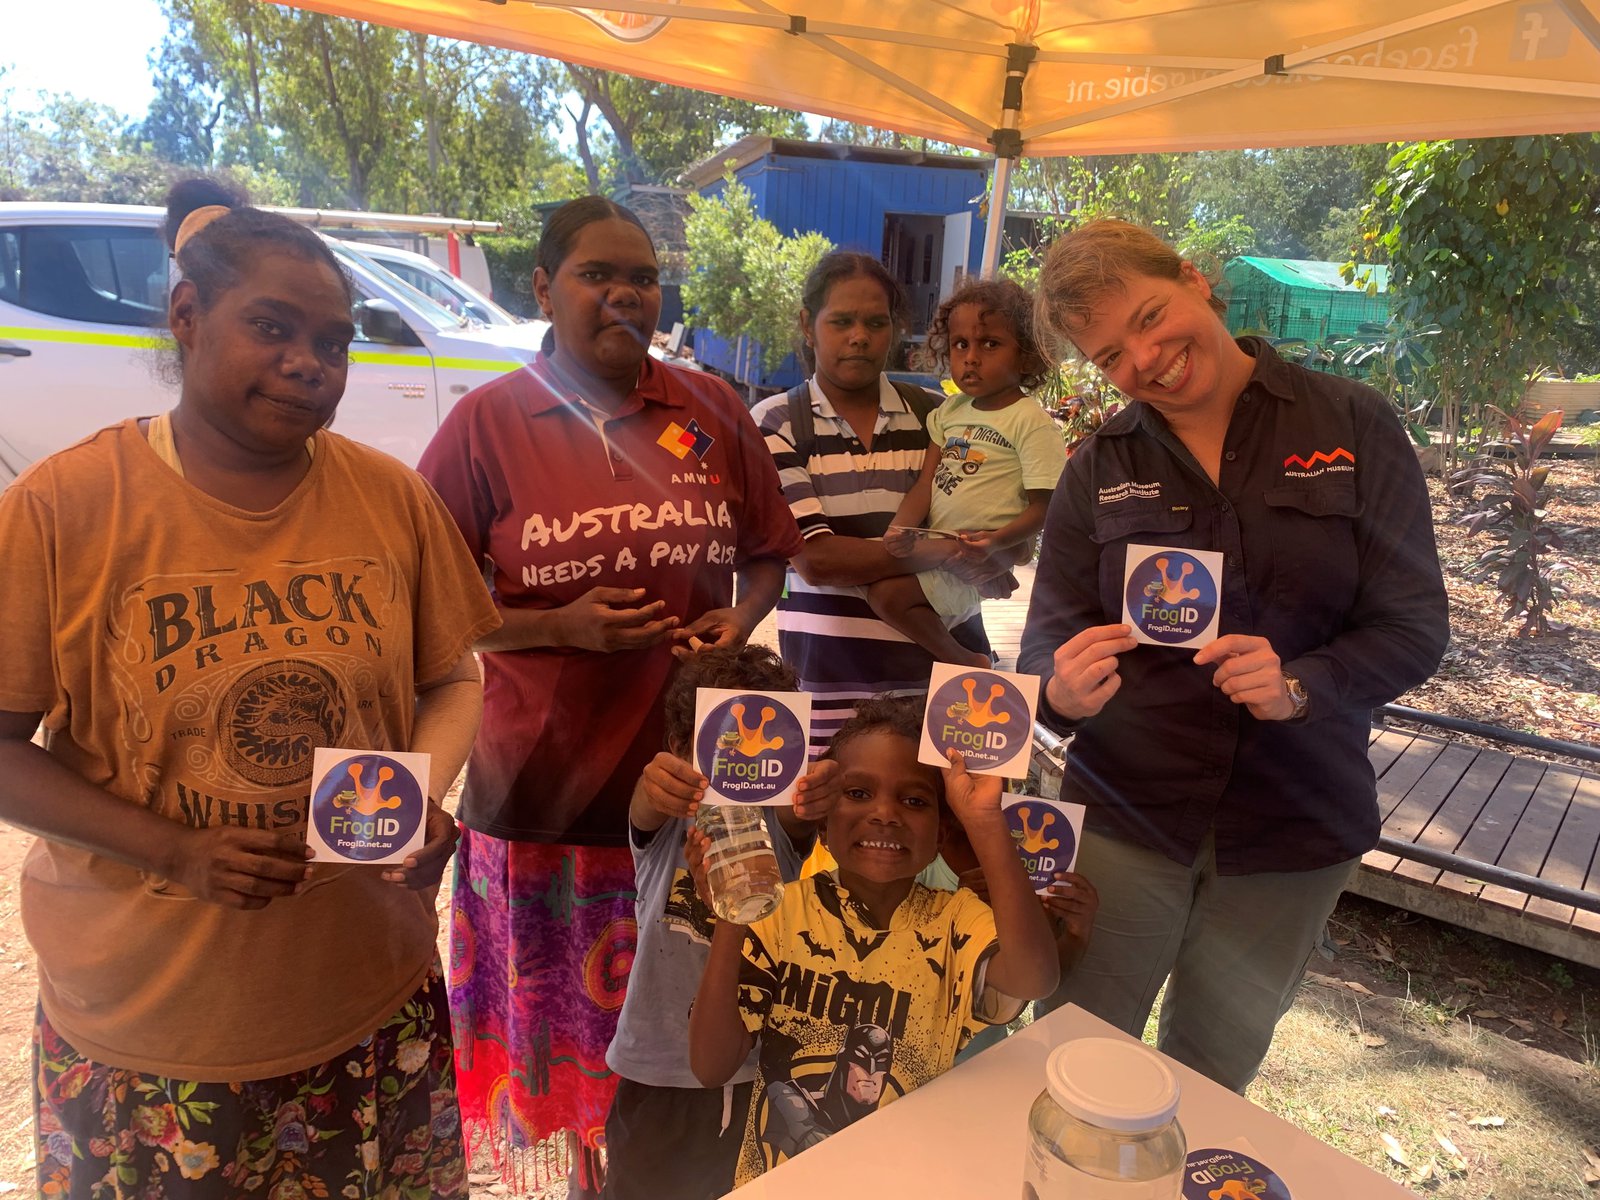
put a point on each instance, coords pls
(851, 1017)
(189, 656)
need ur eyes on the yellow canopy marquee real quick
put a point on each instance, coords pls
(1049, 77)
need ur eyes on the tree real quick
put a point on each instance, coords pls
(745, 277)
(1485, 239)
(72, 149)
(656, 130)
(851, 134)
(357, 115)
(1299, 199)
(1147, 189)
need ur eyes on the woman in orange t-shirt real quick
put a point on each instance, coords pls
(200, 600)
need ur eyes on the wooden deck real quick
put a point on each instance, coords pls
(1002, 619)
(1518, 812)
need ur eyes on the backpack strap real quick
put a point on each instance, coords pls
(802, 421)
(918, 399)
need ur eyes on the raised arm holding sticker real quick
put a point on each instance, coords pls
(1228, 789)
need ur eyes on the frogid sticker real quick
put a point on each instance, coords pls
(1047, 833)
(750, 746)
(1170, 597)
(987, 715)
(367, 806)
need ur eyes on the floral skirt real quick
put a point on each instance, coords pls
(542, 938)
(379, 1120)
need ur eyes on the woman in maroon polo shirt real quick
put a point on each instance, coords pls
(613, 499)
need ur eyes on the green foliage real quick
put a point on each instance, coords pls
(653, 131)
(358, 115)
(72, 149)
(1299, 201)
(1482, 239)
(1147, 189)
(1079, 397)
(744, 277)
(1397, 359)
(1209, 246)
(511, 262)
(1525, 564)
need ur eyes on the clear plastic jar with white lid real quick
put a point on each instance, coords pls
(1106, 1126)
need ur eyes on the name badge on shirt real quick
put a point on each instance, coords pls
(750, 746)
(987, 715)
(1047, 833)
(367, 806)
(1170, 597)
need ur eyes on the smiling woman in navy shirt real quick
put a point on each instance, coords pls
(1228, 787)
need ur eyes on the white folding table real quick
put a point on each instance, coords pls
(964, 1136)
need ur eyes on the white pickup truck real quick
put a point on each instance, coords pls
(83, 301)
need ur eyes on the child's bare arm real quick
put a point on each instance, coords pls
(1024, 965)
(718, 1041)
(669, 787)
(1019, 529)
(914, 506)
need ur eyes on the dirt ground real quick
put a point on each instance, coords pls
(1548, 686)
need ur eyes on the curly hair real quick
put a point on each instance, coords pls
(1009, 301)
(752, 668)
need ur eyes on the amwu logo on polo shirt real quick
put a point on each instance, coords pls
(681, 442)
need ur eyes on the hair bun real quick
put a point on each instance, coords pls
(196, 221)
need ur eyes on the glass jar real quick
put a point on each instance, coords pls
(1106, 1125)
(741, 866)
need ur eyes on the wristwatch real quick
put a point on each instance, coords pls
(1297, 693)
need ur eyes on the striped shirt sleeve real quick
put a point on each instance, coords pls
(794, 474)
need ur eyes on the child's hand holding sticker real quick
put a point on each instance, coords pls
(1171, 597)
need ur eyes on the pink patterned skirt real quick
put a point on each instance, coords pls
(542, 939)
